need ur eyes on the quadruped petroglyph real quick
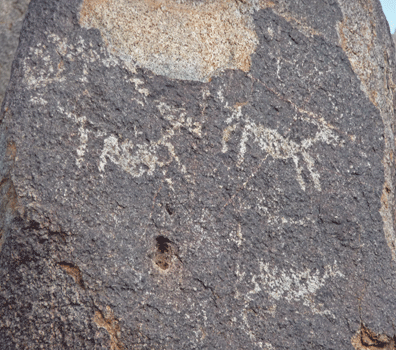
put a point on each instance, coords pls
(278, 147)
(139, 158)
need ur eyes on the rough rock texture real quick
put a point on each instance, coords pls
(12, 13)
(247, 204)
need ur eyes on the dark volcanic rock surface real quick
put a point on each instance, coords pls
(253, 210)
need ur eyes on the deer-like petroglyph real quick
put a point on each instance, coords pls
(279, 147)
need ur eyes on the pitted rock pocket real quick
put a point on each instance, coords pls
(164, 253)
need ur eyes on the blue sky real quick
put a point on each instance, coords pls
(389, 7)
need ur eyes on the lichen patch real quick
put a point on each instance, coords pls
(365, 339)
(107, 321)
(189, 40)
(73, 271)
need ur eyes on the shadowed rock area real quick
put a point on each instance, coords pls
(12, 13)
(209, 174)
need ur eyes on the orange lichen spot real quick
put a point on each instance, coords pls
(189, 40)
(107, 321)
(267, 3)
(73, 271)
(240, 104)
(365, 339)
(11, 150)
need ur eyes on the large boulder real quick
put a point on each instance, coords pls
(12, 13)
(201, 174)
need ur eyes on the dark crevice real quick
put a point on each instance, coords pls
(164, 253)
(209, 288)
(163, 244)
(154, 308)
(32, 225)
(169, 209)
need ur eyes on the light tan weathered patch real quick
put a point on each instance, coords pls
(107, 321)
(365, 339)
(73, 271)
(370, 62)
(181, 39)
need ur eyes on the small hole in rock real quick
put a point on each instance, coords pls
(163, 255)
(169, 209)
(163, 244)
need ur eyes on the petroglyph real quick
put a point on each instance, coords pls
(279, 220)
(136, 163)
(138, 159)
(38, 101)
(284, 284)
(236, 236)
(292, 285)
(247, 329)
(83, 139)
(54, 68)
(279, 147)
(83, 133)
(188, 40)
(35, 77)
(135, 157)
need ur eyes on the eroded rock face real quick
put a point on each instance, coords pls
(239, 206)
(12, 13)
(187, 40)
